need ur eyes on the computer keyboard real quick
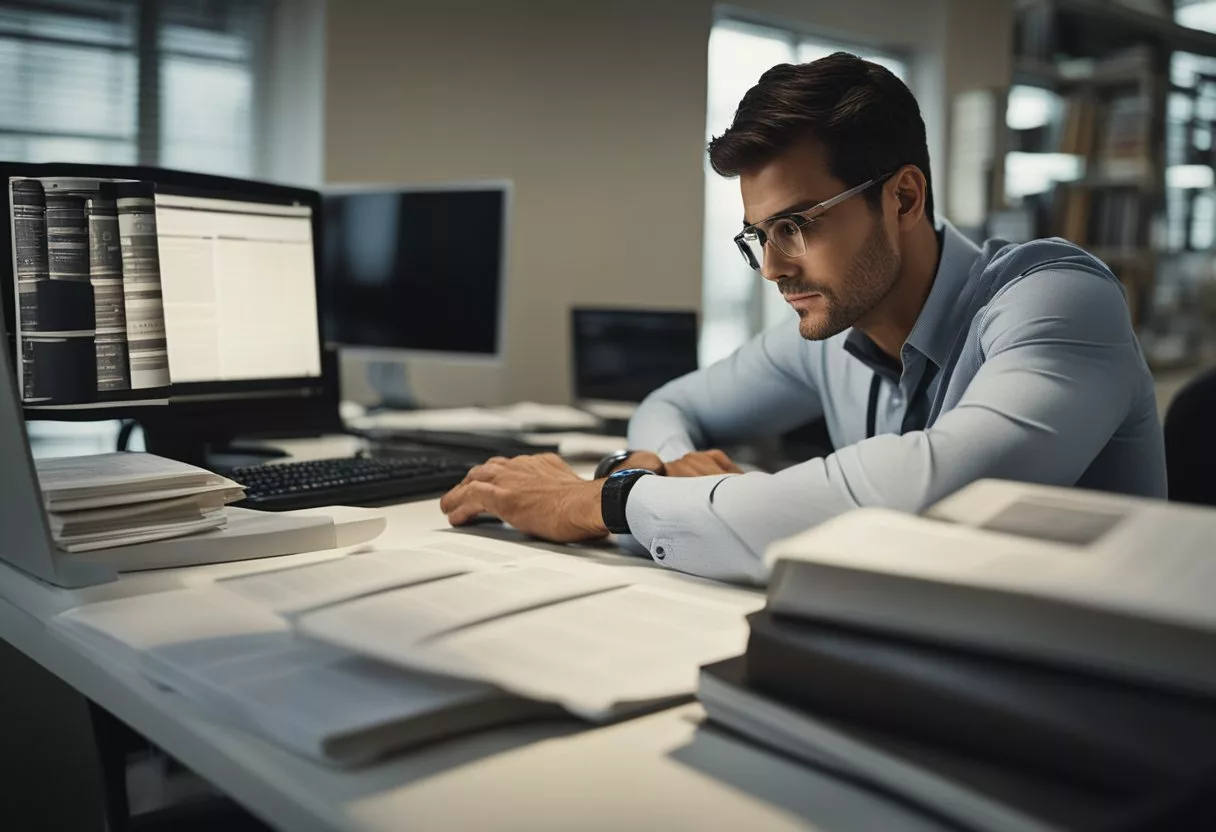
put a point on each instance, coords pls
(349, 481)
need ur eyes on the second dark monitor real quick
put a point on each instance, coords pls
(415, 269)
(623, 355)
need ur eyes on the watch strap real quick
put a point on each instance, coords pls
(614, 496)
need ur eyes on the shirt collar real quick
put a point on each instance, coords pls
(934, 332)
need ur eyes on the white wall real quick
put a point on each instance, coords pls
(596, 110)
(291, 115)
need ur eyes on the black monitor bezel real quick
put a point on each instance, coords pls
(207, 396)
(577, 343)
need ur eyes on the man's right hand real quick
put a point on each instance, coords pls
(643, 459)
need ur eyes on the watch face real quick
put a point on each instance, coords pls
(629, 472)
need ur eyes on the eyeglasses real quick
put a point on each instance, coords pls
(785, 231)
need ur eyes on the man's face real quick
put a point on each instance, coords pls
(850, 263)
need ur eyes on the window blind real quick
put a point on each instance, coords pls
(168, 82)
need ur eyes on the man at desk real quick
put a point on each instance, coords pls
(935, 362)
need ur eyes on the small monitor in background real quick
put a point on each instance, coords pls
(622, 355)
(415, 269)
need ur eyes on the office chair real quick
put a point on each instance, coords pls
(1190, 442)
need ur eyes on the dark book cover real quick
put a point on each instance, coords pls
(967, 789)
(1075, 728)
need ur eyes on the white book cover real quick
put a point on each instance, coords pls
(242, 664)
(116, 473)
(1115, 584)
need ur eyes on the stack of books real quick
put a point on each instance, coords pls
(1026, 658)
(109, 500)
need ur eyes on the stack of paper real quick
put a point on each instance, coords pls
(108, 500)
(522, 416)
(348, 659)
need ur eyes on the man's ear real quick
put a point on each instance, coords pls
(911, 188)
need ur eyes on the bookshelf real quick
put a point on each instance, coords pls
(1133, 150)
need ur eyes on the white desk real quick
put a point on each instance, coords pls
(662, 771)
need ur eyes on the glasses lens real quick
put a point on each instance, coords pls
(787, 236)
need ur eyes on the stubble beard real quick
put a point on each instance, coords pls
(869, 279)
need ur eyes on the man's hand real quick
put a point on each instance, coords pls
(642, 459)
(539, 495)
(702, 464)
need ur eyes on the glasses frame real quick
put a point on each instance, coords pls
(800, 218)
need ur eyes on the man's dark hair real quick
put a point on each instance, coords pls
(866, 119)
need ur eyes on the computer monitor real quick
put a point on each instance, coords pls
(417, 269)
(185, 301)
(623, 355)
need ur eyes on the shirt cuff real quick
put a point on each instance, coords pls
(673, 449)
(673, 518)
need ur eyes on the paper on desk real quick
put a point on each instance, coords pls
(481, 549)
(314, 699)
(613, 411)
(581, 446)
(511, 418)
(112, 518)
(387, 623)
(126, 627)
(599, 656)
(299, 588)
(224, 488)
(101, 474)
(470, 419)
(244, 664)
(534, 416)
(144, 534)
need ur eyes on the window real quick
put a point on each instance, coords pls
(167, 82)
(736, 303)
(172, 83)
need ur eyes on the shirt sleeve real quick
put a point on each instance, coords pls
(1062, 369)
(764, 388)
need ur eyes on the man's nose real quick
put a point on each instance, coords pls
(775, 264)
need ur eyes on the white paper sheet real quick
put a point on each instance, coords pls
(300, 588)
(389, 622)
(598, 656)
(77, 475)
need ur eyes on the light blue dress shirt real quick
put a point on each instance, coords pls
(1022, 365)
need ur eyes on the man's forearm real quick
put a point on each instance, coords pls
(660, 427)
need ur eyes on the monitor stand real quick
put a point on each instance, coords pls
(210, 452)
(391, 381)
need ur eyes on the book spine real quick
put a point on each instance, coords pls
(67, 237)
(793, 670)
(147, 347)
(105, 273)
(31, 267)
(61, 352)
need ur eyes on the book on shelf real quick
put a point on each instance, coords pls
(91, 326)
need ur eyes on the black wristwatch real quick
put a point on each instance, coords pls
(614, 495)
(605, 466)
